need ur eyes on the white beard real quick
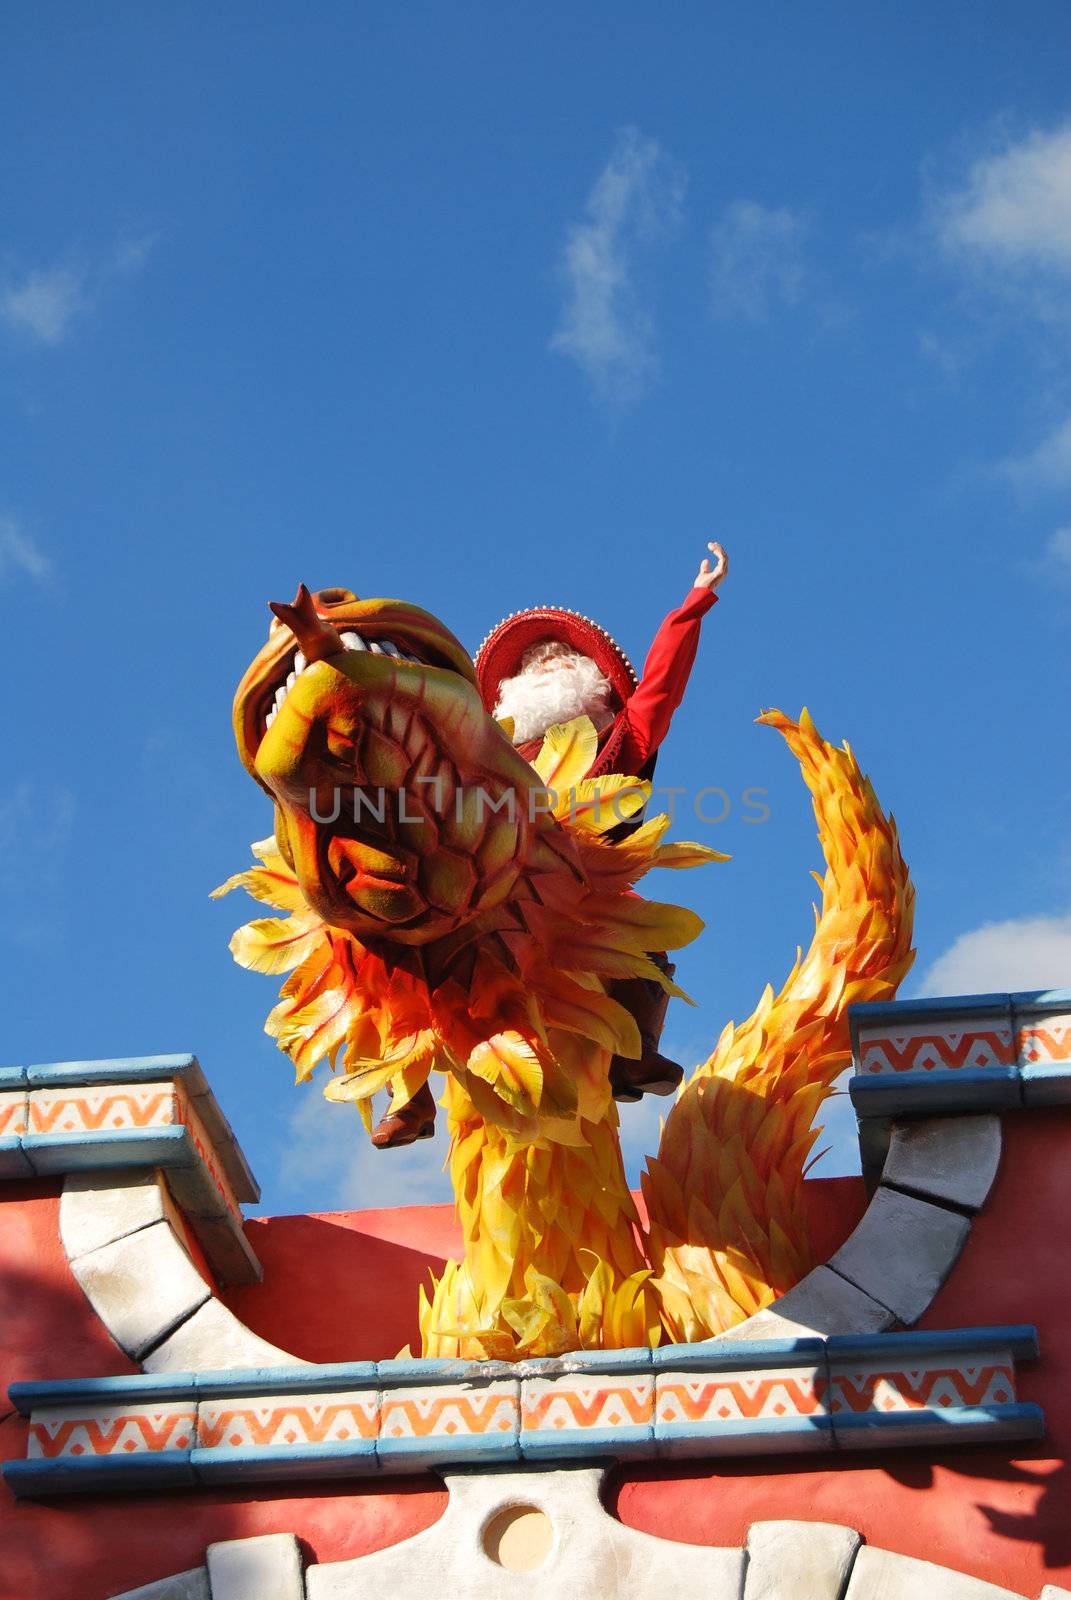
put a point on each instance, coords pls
(538, 700)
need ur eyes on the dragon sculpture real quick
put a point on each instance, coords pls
(449, 909)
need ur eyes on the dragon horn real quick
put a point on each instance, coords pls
(314, 634)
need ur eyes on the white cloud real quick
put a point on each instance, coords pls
(1006, 225)
(1022, 953)
(20, 555)
(331, 1161)
(1056, 557)
(1013, 211)
(604, 327)
(1048, 465)
(756, 260)
(45, 302)
(131, 254)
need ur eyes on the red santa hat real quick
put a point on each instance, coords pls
(499, 656)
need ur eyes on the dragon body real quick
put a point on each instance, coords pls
(451, 910)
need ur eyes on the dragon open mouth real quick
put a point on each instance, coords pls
(294, 664)
(335, 623)
(395, 793)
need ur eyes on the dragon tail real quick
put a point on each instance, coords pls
(728, 1232)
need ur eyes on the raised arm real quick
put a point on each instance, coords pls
(669, 662)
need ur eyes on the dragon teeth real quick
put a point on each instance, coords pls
(352, 641)
(376, 647)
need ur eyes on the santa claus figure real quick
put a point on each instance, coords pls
(548, 666)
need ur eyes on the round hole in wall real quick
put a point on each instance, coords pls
(519, 1538)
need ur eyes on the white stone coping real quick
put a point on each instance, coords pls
(125, 1241)
(93, 1119)
(574, 1547)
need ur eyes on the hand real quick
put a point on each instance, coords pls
(708, 577)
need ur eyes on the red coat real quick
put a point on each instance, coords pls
(640, 726)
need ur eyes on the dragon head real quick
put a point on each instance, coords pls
(392, 785)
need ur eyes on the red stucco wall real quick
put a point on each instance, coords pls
(1007, 1521)
(90, 1549)
(343, 1287)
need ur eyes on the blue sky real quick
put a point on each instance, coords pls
(489, 306)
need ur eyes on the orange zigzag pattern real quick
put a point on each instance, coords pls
(751, 1399)
(43, 1117)
(261, 1428)
(857, 1393)
(12, 1116)
(1046, 1044)
(477, 1412)
(953, 1050)
(586, 1412)
(104, 1437)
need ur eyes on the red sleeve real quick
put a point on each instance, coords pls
(664, 678)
